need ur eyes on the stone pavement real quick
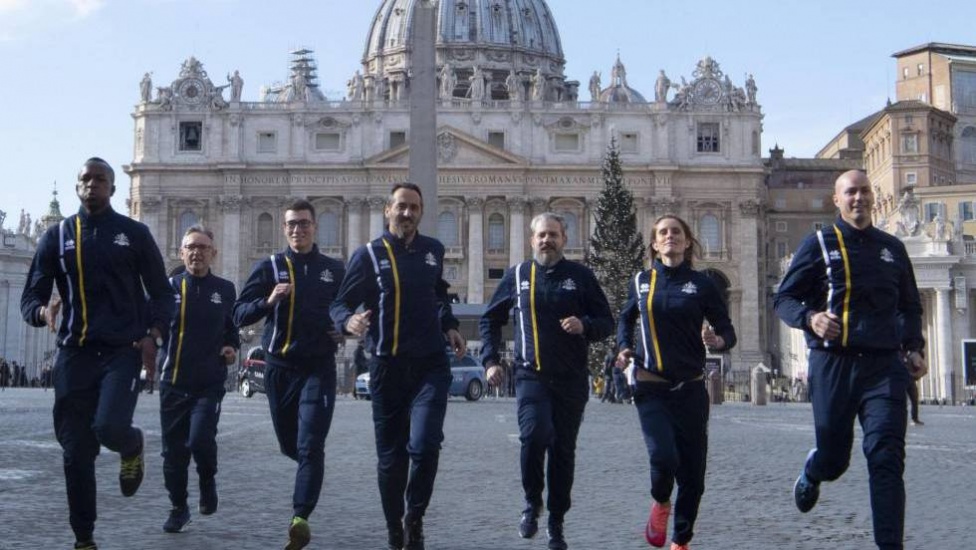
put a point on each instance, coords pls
(755, 454)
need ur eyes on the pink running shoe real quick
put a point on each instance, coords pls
(656, 530)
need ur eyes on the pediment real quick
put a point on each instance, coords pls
(454, 148)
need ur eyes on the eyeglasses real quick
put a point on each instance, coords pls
(303, 224)
(196, 247)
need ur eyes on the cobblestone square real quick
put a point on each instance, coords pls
(755, 454)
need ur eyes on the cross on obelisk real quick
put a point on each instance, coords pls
(423, 110)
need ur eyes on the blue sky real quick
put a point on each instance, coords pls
(71, 68)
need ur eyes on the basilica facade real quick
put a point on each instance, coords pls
(515, 137)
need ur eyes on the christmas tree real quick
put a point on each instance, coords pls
(617, 246)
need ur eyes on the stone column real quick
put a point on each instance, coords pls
(376, 220)
(423, 106)
(943, 323)
(516, 230)
(230, 239)
(354, 228)
(749, 326)
(476, 250)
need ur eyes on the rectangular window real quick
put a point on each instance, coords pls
(567, 142)
(495, 274)
(628, 142)
(780, 203)
(816, 204)
(909, 119)
(782, 249)
(966, 211)
(267, 142)
(450, 272)
(782, 227)
(328, 141)
(397, 139)
(932, 209)
(708, 134)
(191, 136)
(920, 69)
(904, 73)
(909, 143)
(911, 178)
(496, 139)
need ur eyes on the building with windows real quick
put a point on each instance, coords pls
(514, 139)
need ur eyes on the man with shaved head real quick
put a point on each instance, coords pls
(117, 309)
(851, 289)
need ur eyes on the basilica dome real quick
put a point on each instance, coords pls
(497, 36)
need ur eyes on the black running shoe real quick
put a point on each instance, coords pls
(208, 496)
(131, 469)
(394, 537)
(556, 539)
(179, 518)
(806, 491)
(529, 523)
(414, 529)
(85, 545)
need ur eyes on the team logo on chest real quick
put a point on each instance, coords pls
(282, 275)
(384, 264)
(121, 239)
(835, 255)
(689, 288)
(327, 277)
(524, 285)
(430, 259)
(568, 284)
(215, 298)
(887, 256)
(69, 244)
(645, 288)
(178, 298)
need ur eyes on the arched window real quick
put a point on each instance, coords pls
(967, 145)
(496, 231)
(187, 220)
(710, 235)
(328, 230)
(572, 229)
(265, 231)
(447, 229)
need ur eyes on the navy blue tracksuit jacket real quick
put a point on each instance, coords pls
(669, 305)
(865, 277)
(404, 288)
(540, 297)
(104, 266)
(202, 326)
(296, 327)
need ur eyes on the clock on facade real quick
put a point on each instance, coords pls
(708, 91)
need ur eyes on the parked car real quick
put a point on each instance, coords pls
(468, 379)
(250, 377)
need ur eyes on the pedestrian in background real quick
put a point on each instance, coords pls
(670, 303)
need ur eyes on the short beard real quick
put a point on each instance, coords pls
(547, 258)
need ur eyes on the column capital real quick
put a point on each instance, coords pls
(149, 205)
(355, 202)
(475, 203)
(376, 202)
(517, 204)
(539, 204)
(750, 208)
(231, 203)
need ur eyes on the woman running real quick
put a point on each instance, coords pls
(671, 301)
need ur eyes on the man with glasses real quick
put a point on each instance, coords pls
(292, 291)
(117, 308)
(203, 341)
